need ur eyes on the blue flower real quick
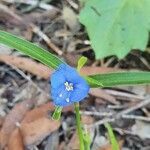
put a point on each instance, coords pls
(67, 86)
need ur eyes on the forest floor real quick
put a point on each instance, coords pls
(25, 101)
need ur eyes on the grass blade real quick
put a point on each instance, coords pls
(112, 138)
(120, 78)
(30, 49)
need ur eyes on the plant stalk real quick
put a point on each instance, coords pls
(79, 127)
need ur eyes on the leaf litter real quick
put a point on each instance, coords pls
(31, 127)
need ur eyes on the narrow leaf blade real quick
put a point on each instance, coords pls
(30, 49)
(120, 78)
(114, 143)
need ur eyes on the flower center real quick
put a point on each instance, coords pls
(69, 86)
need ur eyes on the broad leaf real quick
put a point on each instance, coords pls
(116, 26)
(121, 78)
(30, 49)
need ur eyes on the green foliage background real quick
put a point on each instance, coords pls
(116, 26)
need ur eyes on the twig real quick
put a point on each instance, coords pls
(123, 131)
(101, 114)
(117, 106)
(84, 49)
(143, 60)
(36, 30)
(105, 114)
(28, 79)
(73, 4)
(102, 94)
(106, 64)
(123, 94)
(33, 2)
(136, 117)
(147, 113)
(119, 115)
(137, 106)
(86, 42)
(100, 122)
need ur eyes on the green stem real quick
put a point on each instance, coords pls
(79, 128)
(57, 113)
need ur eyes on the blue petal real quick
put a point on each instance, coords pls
(63, 74)
(58, 77)
(71, 74)
(80, 91)
(61, 100)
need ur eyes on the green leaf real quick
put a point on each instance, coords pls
(116, 26)
(93, 81)
(120, 78)
(57, 113)
(81, 62)
(87, 140)
(30, 49)
(114, 143)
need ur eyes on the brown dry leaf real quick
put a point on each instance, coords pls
(38, 112)
(16, 141)
(97, 70)
(27, 65)
(1, 121)
(100, 93)
(148, 89)
(31, 116)
(71, 58)
(109, 147)
(33, 16)
(61, 146)
(37, 130)
(15, 116)
(36, 126)
(42, 111)
(6, 15)
(100, 101)
(74, 142)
